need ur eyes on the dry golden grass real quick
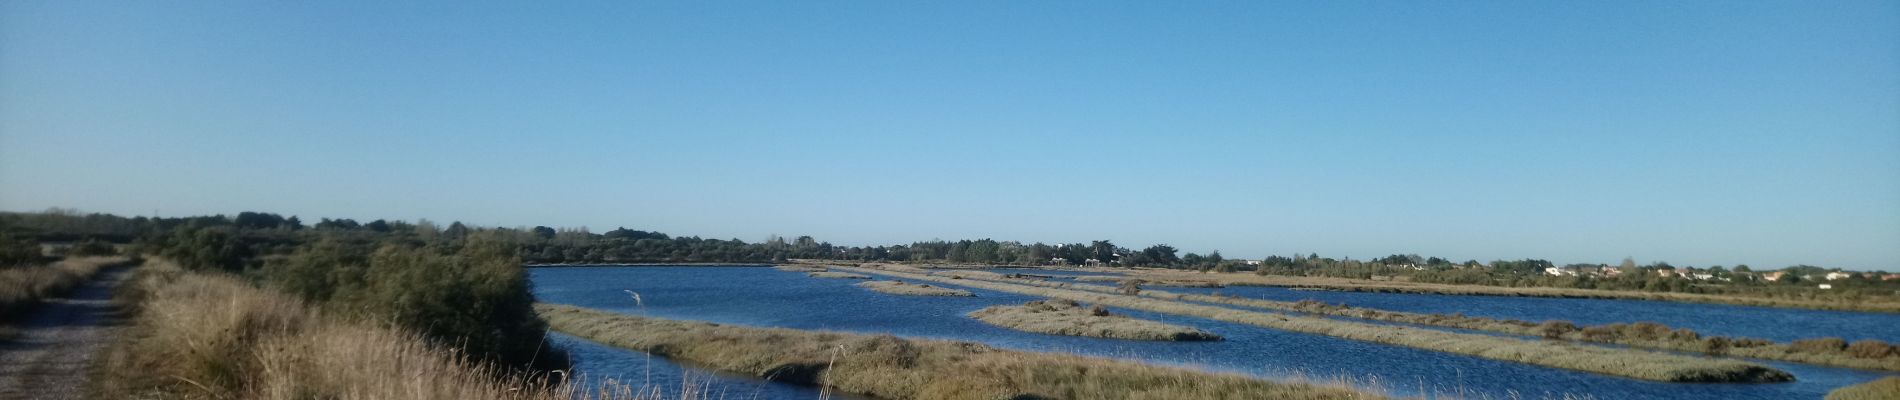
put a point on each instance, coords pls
(214, 337)
(1887, 388)
(23, 287)
(912, 289)
(1556, 354)
(1059, 317)
(900, 369)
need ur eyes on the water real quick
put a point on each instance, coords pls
(770, 298)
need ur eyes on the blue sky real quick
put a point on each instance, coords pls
(1765, 133)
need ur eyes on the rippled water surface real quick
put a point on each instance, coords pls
(771, 298)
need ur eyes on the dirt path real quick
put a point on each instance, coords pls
(53, 355)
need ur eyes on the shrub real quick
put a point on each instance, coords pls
(1870, 349)
(1131, 287)
(1821, 345)
(92, 247)
(1602, 333)
(1554, 329)
(18, 251)
(1715, 346)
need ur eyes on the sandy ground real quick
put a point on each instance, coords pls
(53, 355)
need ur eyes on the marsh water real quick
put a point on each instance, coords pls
(766, 297)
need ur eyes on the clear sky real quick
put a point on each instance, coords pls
(1722, 132)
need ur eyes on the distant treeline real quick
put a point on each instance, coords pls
(217, 235)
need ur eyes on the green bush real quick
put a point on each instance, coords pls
(18, 251)
(472, 294)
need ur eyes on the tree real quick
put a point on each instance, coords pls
(1161, 254)
(543, 232)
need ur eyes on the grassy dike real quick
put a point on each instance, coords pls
(1059, 317)
(1877, 355)
(892, 368)
(1887, 388)
(1619, 362)
(912, 289)
(1877, 304)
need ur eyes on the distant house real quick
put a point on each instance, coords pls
(1890, 277)
(1612, 271)
(1837, 275)
(1825, 286)
(1558, 271)
(1668, 273)
(1773, 276)
(1252, 262)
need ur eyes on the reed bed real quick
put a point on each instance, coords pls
(1887, 388)
(913, 289)
(215, 337)
(893, 368)
(1866, 354)
(24, 287)
(1609, 361)
(1061, 317)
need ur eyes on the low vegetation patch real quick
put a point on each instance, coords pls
(1610, 361)
(1187, 283)
(200, 336)
(893, 368)
(799, 268)
(1063, 317)
(913, 289)
(1887, 388)
(837, 275)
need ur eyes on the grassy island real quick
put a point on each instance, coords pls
(912, 289)
(1655, 366)
(1887, 388)
(1063, 317)
(889, 367)
(837, 275)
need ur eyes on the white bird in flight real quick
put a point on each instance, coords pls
(636, 298)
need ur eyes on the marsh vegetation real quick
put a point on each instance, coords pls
(1609, 361)
(912, 289)
(894, 368)
(1063, 317)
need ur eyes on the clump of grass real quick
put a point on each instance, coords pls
(26, 286)
(913, 289)
(1887, 388)
(1556, 354)
(837, 275)
(1063, 317)
(202, 336)
(892, 368)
